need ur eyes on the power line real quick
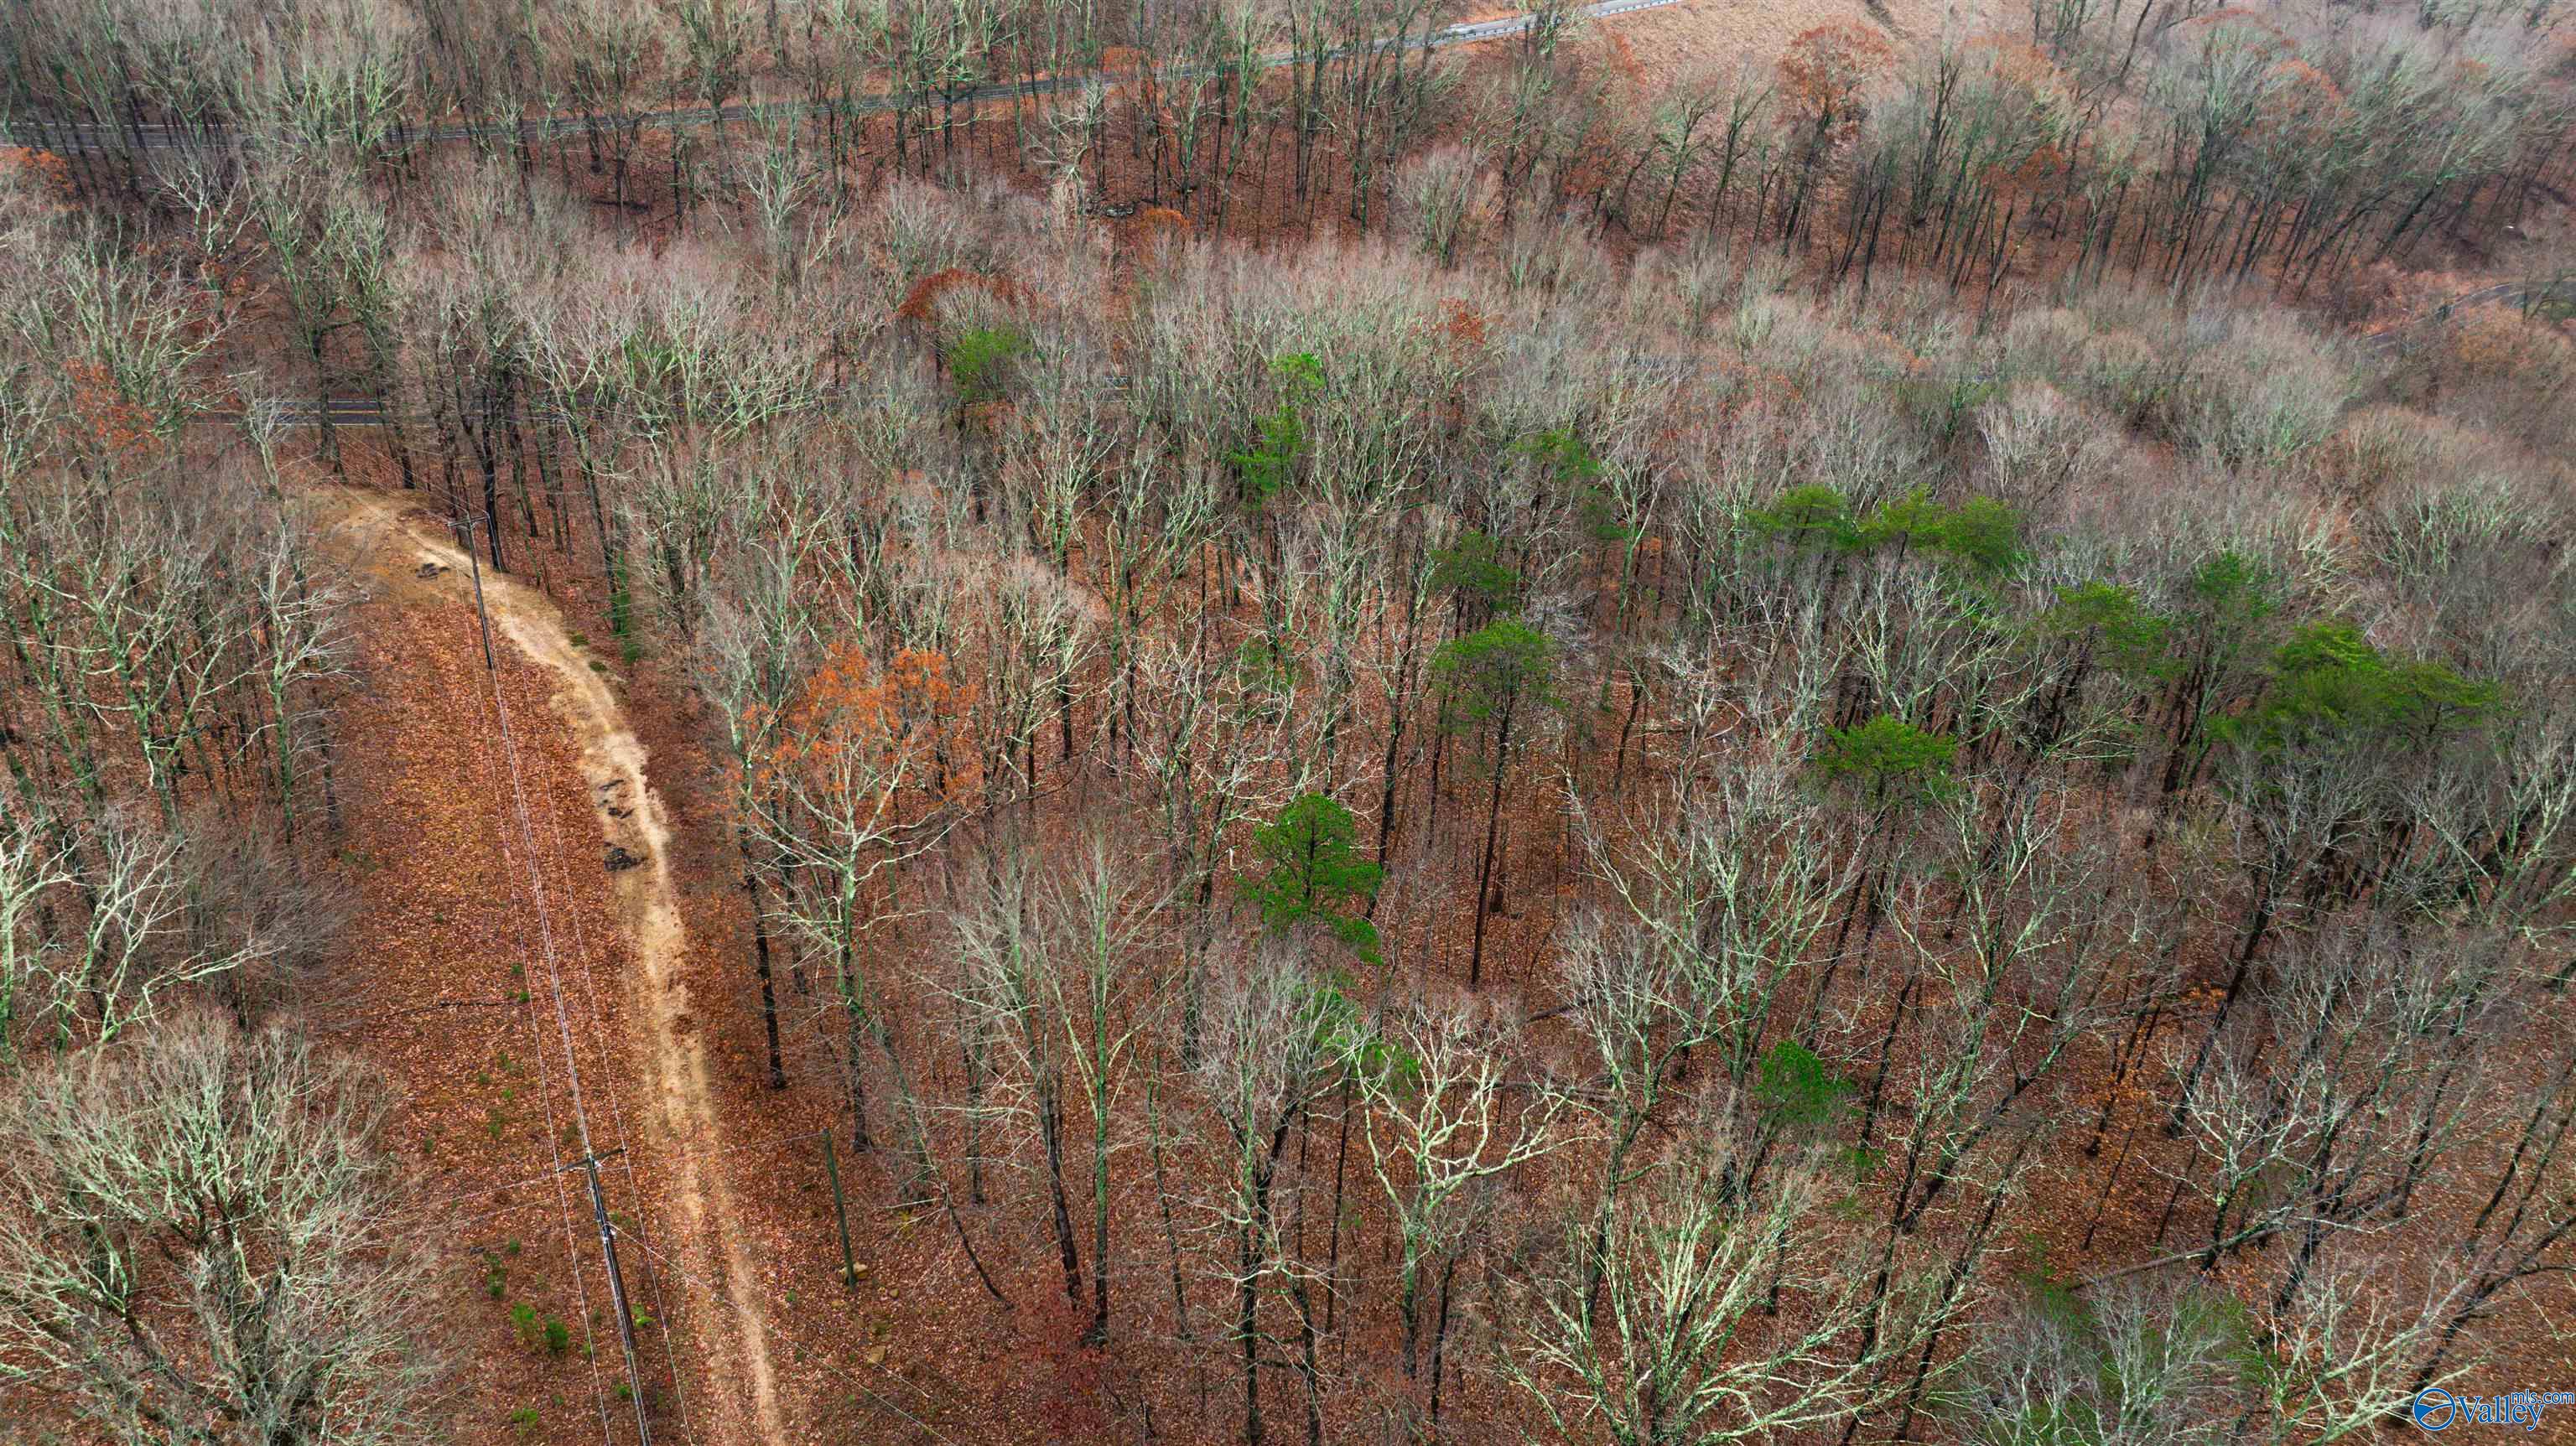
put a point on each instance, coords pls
(460, 1222)
(589, 1167)
(616, 1110)
(591, 1156)
(405, 1207)
(563, 1026)
(572, 1253)
(825, 1362)
(366, 411)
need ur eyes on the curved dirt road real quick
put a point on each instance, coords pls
(669, 1060)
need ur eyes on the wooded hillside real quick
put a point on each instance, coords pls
(1393, 741)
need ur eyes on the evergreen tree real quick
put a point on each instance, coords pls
(1316, 874)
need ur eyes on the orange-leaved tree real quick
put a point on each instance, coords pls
(1821, 77)
(864, 767)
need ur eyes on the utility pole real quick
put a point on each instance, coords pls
(589, 1167)
(476, 563)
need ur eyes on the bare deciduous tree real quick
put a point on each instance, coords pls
(198, 1238)
(1675, 1344)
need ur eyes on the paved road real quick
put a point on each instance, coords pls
(361, 411)
(2392, 337)
(45, 134)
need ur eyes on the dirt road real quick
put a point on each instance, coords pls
(668, 1058)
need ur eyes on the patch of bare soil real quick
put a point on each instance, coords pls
(1717, 35)
(664, 1052)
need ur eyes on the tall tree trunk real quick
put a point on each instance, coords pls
(1051, 1128)
(1485, 869)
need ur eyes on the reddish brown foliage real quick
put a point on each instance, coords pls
(927, 291)
(42, 170)
(1824, 69)
(1463, 327)
(897, 737)
(114, 424)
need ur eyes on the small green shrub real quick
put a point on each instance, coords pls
(1797, 1090)
(1316, 873)
(1473, 567)
(1563, 453)
(1269, 675)
(1268, 464)
(1888, 757)
(980, 359)
(558, 1336)
(1813, 516)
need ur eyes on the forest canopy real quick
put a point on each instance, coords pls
(1360, 736)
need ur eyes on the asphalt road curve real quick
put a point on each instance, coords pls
(43, 134)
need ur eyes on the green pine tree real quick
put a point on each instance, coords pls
(1316, 874)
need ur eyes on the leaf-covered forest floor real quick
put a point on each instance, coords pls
(724, 1193)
